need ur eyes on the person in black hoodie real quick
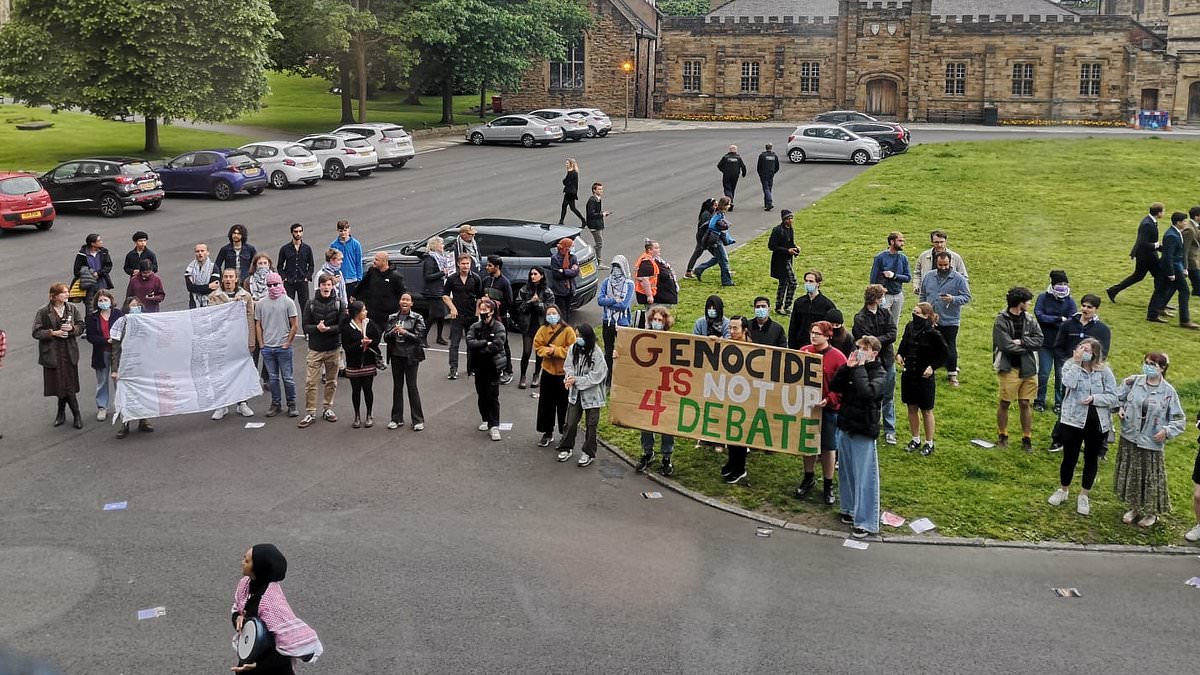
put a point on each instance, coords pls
(782, 245)
(93, 256)
(380, 289)
(922, 351)
(810, 307)
(841, 340)
(322, 324)
(861, 382)
(877, 322)
(732, 169)
(485, 350)
(571, 192)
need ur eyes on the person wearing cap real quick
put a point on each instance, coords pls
(465, 244)
(768, 166)
(352, 255)
(782, 244)
(841, 339)
(147, 287)
(140, 252)
(1053, 308)
(762, 330)
(275, 328)
(947, 290)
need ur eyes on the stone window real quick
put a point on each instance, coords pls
(1022, 79)
(810, 77)
(568, 73)
(956, 79)
(691, 76)
(750, 77)
(1089, 79)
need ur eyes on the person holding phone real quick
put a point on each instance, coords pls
(57, 327)
(359, 337)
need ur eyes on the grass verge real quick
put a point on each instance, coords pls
(1014, 210)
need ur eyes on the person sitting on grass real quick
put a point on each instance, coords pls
(1086, 418)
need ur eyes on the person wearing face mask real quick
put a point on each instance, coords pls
(231, 291)
(922, 350)
(831, 361)
(841, 339)
(657, 318)
(97, 327)
(1085, 324)
(861, 383)
(1053, 308)
(238, 253)
(584, 375)
(147, 287)
(275, 326)
(808, 308)
(257, 281)
(1151, 415)
(333, 269)
(406, 350)
(552, 342)
(762, 329)
(713, 323)
(1091, 393)
(890, 270)
(616, 302)
(485, 354)
(322, 324)
(948, 291)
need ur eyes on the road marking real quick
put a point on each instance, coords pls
(422, 152)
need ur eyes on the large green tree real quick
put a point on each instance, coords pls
(202, 60)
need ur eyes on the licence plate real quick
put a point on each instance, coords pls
(252, 171)
(587, 269)
(146, 185)
(308, 165)
(30, 215)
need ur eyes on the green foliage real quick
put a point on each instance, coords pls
(683, 7)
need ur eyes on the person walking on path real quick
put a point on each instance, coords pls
(322, 324)
(948, 292)
(380, 289)
(1172, 275)
(782, 245)
(435, 268)
(552, 343)
(875, 321)
(922, 350)
(571, 192)
(1144, 253)
(1016, 340)
(91, 267)
(352, 255)
(238, 253)
(201, 277)
(57, 327)
(657, 318)
(534, 298)
(1091, 394)
(231, 291)
(654, 280)
(584, 375)
(808, 308)
(595, 220)
(1151, 415)
(296, 265)
(406, 350)
(259, 596)
(564, 269)
(732, 169)
(485, 351)
(1053, 308)
(462, 294)
(890, 270)
(147, 287)
(861, 383)
(97, 326)
(360, 340)
(706, 212)
(831, 361)
(139, 252)
(616, 304)
(276, 324)
(715, 241)
(768, 166)
(927, 261)
(762, 330)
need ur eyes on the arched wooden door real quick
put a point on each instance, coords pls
(882, 97)
(1194, 102)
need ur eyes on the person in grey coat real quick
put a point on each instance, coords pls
(586, 373)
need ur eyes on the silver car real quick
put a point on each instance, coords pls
(524, 129)
(828, 141)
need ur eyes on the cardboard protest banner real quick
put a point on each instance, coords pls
(736, 393)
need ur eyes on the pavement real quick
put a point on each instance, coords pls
(444, 552)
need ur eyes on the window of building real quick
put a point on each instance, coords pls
(1089, 79)
(956, 79)
(568, 73)
(750, 76)
(810, 77)
(691, 76)
(1022, 79)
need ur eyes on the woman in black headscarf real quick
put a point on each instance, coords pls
(258, 595)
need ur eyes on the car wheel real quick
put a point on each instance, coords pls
(860, 157)
(279, 180)
(335, 170)
(110, 205)
(885, 149)
(527, 141)
(152, 206)
(222, 190)
(311, 181)
(476, 138)
(795, 155)
(46, 225)
(399, 164)
(591, 132)
(604, 133)
(255, 190)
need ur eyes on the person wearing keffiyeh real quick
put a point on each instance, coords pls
(259, 595)
(616, 299)
(564, 268)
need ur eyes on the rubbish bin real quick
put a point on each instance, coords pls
(991, 116)
(497, 105)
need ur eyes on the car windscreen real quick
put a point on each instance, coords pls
(239, 159)
(20, 185)
(136, 169)
(395, 132)
(297, 151)
(357, 143)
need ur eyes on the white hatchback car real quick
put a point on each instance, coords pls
(392, 143)
(342, 153)
(285, 162)
(828, 141)
(599, 124)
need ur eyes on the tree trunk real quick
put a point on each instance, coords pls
(414, 91)
(344, 84)
(483, 103)
(151, 136)
(360, 66)
(448, 97)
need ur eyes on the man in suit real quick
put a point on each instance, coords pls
(1172, 275)
(1144, 253)
(768, 166)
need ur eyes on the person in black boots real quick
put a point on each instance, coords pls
(296, 265)
(57, 327)
(571, 192)
(808, 308)
(485, 354)
(922, 350)
(782, 245)
(437, 266)
(595, 221)
(732, 169)
(532, 302)
(406, 339)
(734, 470)
(768, 166)
(1144, 253)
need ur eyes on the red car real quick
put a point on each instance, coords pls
(23, 201)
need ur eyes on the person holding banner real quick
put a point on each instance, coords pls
(551, 343)
(657, 318)
(734, 470)
(832, 360)
(116, 335)
(486, 358)
(584, 375)
(56, 328)
(231, 291)
(862, 383)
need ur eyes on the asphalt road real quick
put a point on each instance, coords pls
(443, 552)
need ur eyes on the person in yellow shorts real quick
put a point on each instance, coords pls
(1016, 339)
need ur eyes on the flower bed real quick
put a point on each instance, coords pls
(1064, 123)
(704, 117)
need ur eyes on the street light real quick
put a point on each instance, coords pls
(627, 66)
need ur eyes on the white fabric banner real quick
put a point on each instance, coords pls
(174, 363)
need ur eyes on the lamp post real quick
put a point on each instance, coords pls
(627, 66)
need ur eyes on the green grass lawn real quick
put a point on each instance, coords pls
(78, 135)
(304, 105)
(1014, 210)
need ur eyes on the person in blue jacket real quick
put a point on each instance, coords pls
(352, 256)
(1053, 308)
(616, 300)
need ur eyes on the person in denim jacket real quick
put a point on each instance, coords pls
(1151, 415)
(616, 301)
(584, 375)
(1090, 392)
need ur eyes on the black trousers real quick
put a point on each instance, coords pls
(1142, 265)
(574, 414)
(487, 391)
(552, 404)
(404, 375)
(609, 333)
(729, 186)
(568, 202)
(736, 464)
(1194, 275)
(950, 335)
(457, 328)
(1091, 439)
(298, 291)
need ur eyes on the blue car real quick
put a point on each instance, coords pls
(220, 173)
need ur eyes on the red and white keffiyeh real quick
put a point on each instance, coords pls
(293, 637)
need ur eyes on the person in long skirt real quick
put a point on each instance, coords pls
(406, 350)
(486, 339)
(1150, 415)
(551, 344)
(585, 373)
(1090, 392)
(57, 327)
(259, 596)
(359, 337)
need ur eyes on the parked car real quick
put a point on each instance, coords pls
(392, 143)
(598, 122)
(524, 129)
(23, 201)
(574, 127)
(839, 116)
(522, 244)
(829, 141)
(285, 162)
(221, 173)
(108, 184)
(342, 153)
(892, 138)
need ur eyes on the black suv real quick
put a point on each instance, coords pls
(105, 183)
(893, 138)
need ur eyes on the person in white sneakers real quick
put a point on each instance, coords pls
(1091, 393)
(485, 350)
(1150, 416)
(231, 291)
(585, 374)
(1194, 533)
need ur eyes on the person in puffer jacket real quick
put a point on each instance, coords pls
(322, 324)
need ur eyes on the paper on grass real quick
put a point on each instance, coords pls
(979, 442)
(922, 525)
(891, 520)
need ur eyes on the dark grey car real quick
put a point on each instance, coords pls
(522, 244)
